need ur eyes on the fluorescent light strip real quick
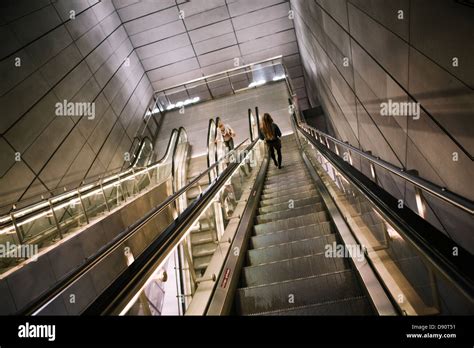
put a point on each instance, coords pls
(183, 103)
(257, 83)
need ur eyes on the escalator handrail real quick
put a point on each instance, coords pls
(140, 147)
(431, 242)
(216, 153)
(181, 130)
(211, 122)
(44, 205)
(138, 272)
(38, 304)
(436, 190)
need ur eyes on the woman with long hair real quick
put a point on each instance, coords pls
(270, 132)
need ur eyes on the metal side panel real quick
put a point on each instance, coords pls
(223, 298)
(375, 290)
(207, 284)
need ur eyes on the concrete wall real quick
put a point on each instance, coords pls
(233, 110)
(79, 60)
(23, 284)
(403, 56)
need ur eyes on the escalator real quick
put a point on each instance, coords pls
(287, 271)
(243, 237)
(278, 252)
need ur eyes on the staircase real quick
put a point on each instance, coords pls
(286, 270)
(203, 237)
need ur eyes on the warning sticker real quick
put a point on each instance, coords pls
(226, 278)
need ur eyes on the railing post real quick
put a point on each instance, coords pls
(189, 260)
(83, 206)
(17, 230)
(103, 194)
(55, 219)
(121, 188)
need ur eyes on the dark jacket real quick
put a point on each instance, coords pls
(277, 133)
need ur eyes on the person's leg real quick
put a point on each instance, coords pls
(279, 156)
(271, 149)
(231, 144)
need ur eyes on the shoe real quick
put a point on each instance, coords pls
(276, 164)
(279, 167)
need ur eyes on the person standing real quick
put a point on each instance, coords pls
(228, 135)
(271, 133)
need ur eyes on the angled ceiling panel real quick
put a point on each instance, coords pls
(177, 41)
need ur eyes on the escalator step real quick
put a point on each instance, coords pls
(300, 267)
(288, 213)
(348, 306)
(285, 192)
(290, 197)
(295, 204)
(304, 232)
(298, 292)
(204, 249)
(285, 186)
(289, 250)
(299, 221)
(287, 172)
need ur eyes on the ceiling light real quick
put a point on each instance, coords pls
(257, 83)
(279, 77)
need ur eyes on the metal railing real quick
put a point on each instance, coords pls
(227, 82)
(399, 240)
(425, 185)
(123, 293)
(55, 216)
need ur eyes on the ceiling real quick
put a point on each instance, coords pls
(178, 41)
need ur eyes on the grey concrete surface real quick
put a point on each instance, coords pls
(399, 50)
(78, 60)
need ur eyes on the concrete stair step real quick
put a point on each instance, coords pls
(201, 237)
(200, 264)
(204, 249)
